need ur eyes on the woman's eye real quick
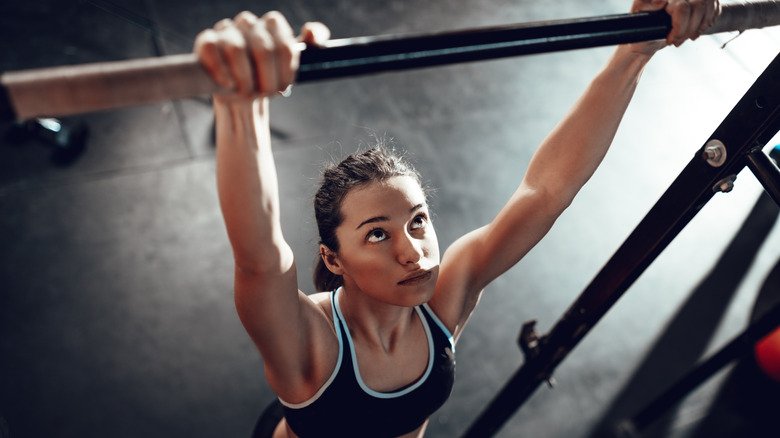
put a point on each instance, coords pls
(419, 222)
(376, 235)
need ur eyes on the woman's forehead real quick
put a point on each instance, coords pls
(394, 196)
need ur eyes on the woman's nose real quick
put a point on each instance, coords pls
(409, 250)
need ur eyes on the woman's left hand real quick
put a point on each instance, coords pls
(690, 18)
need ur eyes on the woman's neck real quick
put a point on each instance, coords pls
(373, 323)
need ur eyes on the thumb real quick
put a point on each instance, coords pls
(314, 33)
(648, 5)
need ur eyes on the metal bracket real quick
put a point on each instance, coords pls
(530, 343)
(528, 340)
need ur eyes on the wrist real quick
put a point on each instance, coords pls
(628, 58)
(240, 115)
(641, 52)
(238, 107)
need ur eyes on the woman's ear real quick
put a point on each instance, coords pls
(331, 260)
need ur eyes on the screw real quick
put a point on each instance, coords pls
(725, 185)
(714, 153)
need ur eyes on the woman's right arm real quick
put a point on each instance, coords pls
(258, 57)
(266, 282)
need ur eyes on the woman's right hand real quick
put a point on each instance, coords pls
(690, 18)
(255, 56)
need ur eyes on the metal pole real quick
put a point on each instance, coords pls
(746, 126)
(766, 173)
(740, 346)
(60, 91)
(366, 55)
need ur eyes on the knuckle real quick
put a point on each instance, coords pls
(285, 51)
(245, 17)
(206, 39)
(261, 40)
(232, 44)
(223, 24)
(273, 16)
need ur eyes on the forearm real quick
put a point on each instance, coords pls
(570, 154)
(247, 184)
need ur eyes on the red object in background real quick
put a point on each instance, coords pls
(768, 354)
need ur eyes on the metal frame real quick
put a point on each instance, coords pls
(740, 346)
(748, 127)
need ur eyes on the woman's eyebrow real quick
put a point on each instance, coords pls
(372, 220)
(385, 218)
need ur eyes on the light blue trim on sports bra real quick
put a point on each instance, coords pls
(338, 319)
(315, 397)
(441, 325)
(355, 368)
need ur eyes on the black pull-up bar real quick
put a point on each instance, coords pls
(365, 55)
(77, 89)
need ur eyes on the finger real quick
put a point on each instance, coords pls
(260, 46)
(286, 49)
(647, 5)
(206, 47)
(699, 17)
(680, 11)
(233, 48)
(245, 20)
(715, 13)
(222, 24)
(706, 19)
(314, 33)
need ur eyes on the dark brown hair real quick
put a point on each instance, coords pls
(378, 163)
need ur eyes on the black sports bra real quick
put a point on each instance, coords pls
(345, 406)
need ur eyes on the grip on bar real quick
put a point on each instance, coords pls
(84, 88)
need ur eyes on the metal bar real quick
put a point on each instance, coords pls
(766, 173)
(746, 126)
(365, 55)
(739, 346)
(60, 91)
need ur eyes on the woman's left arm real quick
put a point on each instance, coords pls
(562, 164)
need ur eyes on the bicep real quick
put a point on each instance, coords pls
(479, 257)
(282, 322)
(519, 226)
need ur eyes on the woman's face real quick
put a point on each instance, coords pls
(387, 245)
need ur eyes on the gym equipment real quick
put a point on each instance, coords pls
(738, 347)
(59, 91)
(767, 352)
(69, 140)
(740, 138)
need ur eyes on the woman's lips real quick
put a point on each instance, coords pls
(415, 278)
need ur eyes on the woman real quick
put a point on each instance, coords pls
(375, 356)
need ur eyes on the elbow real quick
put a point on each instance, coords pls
(552, 200)
(270, 261)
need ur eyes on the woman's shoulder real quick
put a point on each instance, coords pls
(322, 300)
